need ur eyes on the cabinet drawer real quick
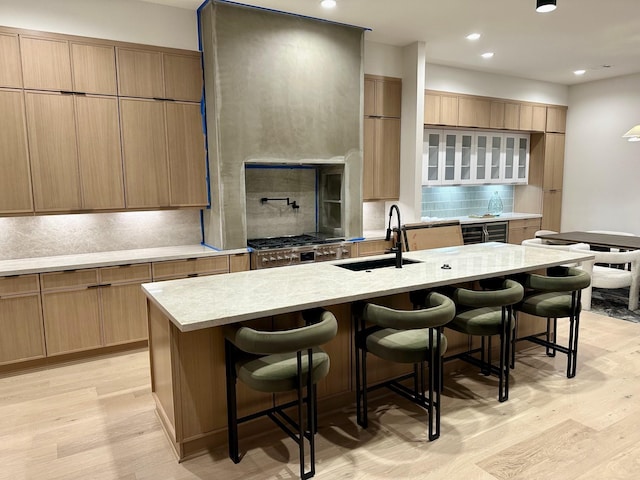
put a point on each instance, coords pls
(191, 266)
(73, 278)
(525, 223)
(125, 274)
(19, 284)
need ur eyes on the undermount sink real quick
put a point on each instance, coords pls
(373, 264)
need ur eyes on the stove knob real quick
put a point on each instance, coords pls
(273, 259)
(345, 251)
(279, 257)
(332, 252)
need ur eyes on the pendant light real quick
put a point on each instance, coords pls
(544, 6)
(633, 135)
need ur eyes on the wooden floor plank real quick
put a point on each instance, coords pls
(96, 419)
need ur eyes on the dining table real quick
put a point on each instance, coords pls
(604, 240)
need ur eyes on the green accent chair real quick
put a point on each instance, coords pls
(552, 296)
(280, 361)
(486, 313)
(404, 336)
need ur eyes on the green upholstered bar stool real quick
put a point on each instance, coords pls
(552, 296)
(487, 313)
(280, 361)
(404, 336)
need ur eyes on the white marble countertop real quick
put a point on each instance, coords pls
(211, 301)
(24, 266)
(380, 234)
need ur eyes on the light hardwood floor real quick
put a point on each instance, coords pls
(96, 420)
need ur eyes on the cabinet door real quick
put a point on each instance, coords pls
(15, 180)
(432, 105)
(145, 153)
(22, 329)
(553, 161)
(140, 73)
(512, 116)
(449, 110)
(551, 209)
(474, 112)
(186, 153)
(52, 145)
(182, 77)
(388, 98)
(448, 154)
(466, 156)
(124, 314)
(368, 158)
(496, 157)
(556, 119)
(431, 157)
(71, 321)
(533, 117)
(522, 159)
(496, 119)
(46, 64)
(99, 152)
(387, 171)
(483, 159)
(10, 69)
(369, 97)
(94, 68)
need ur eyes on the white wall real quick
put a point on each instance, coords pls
(458, 80)
(123, 20)
(601, 173)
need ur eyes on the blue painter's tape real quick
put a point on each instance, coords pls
(356, 239)
(211, 247)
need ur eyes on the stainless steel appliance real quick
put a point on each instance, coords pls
(296, 249)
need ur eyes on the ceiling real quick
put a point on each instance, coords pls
(600, 36)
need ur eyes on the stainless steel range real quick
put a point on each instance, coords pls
(296, 249)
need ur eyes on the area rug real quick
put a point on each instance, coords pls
(613, 303)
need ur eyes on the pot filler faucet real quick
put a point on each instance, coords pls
(397, 248)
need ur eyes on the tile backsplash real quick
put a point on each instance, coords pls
(450, 201)
(49, 235)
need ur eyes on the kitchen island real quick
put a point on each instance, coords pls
(185, 316)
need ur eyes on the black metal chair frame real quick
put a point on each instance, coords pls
(550, 336)
(295, 429)
(484, 362)
(431, 402)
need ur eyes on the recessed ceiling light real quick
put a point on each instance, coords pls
(545, 6)
(328, 3)
(579, 72)
(487, 55)
(473, 36)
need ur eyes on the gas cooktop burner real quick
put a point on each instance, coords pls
(288, 241)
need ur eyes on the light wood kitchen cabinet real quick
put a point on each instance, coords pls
(160, 75)
(10, 68)
(556, 119)
(123, 303)
(140, 73)
(99, 152)
(440, 109)
(94, 68)
(20, 319)
(46, 63)
(381, 149)
(186, 154)
(524, 229)
(75, 152)
(551, 209)
(381, 162)
(53, 149)
(191, 267)
(383, 96)
(71, 311)
(505, 115)
(553, 161)
(144, 147)
(474, 112)
(182, 77)
(15, 180)
(533, 117)
(373, 247)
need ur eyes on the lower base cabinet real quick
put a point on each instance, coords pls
(22, 336)
(524, 229)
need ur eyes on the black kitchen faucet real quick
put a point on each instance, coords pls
(397, 248)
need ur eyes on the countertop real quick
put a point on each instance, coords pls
(380, 234)
(24, 266)
(211, 301)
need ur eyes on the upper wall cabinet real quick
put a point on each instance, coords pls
(160, 75)
(10, 68)
(440, 109)
(533, 118)
(474, 112)
(46, 64)
(94, 68)
(556, 119)
(505, 115)
(382, 97)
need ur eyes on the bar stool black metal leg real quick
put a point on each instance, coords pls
(232, 413)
